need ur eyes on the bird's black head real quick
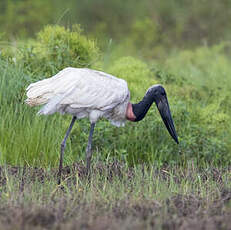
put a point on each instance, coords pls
(157, 94)
(155, 91)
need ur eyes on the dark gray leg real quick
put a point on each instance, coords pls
(63, 145)
(88, 152)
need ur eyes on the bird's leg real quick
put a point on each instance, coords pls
(63, 145)
(88, 152)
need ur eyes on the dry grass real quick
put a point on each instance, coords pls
(116, 197)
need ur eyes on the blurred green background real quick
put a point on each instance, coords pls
(149, 23)
(184, 45)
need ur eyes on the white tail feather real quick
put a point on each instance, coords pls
(41, 92)
(51, 106)
(54, 103)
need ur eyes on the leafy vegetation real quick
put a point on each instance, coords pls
(54, 44)
(199, 100)
(140, 178)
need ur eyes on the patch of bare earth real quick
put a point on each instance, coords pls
(177, 212)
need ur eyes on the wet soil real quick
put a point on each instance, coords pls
(177, 212)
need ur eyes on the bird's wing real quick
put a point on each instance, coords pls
(96, 90)
(80, 88)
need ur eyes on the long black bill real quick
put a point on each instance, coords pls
(163, 107)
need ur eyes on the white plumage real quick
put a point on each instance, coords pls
(82, 92)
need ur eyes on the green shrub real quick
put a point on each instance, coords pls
(54, 49)
(207, 68)
(201, 79)
(135, 72)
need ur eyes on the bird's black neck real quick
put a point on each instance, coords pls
(140, 109)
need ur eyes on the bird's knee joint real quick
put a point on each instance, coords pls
(63, 145)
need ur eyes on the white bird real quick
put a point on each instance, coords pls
(89, 93)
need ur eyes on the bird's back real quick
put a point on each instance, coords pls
(78, 90)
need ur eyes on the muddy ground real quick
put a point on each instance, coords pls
(177, 212)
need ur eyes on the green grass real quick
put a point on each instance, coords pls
(201, 113)
(197, 83)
